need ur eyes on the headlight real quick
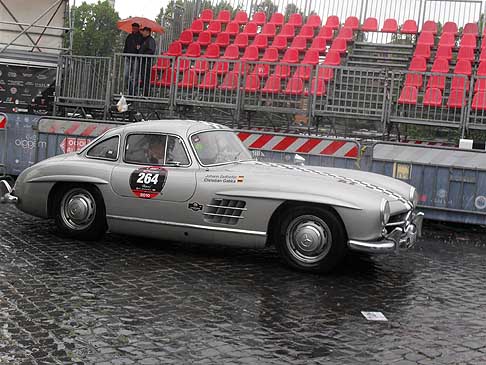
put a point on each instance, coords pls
(385, 212)
(413, 197)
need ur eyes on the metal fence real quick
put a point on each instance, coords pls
(3, 144)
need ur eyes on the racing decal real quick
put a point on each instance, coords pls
(148, 182)
(195, 206)
(228, 179)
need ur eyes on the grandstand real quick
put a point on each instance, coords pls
(357, 67)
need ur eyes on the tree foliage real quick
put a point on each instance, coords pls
(95, 32)
(267, 6)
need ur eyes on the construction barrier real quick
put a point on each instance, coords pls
(451, 182)
(60, 135)
(317, 151)
(3, 145)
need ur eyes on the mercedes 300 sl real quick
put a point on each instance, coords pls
(195, 181)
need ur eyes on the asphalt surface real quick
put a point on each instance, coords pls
(128, 300)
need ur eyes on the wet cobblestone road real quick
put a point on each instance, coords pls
(128, 300)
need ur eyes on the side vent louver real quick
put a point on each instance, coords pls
(224, 211)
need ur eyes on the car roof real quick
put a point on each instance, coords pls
(173, 126)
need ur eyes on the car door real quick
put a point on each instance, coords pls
(155, 178)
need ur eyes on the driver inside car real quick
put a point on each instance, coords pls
(156, 151)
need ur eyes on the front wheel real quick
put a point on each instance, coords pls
(80, 212)
(311, 239)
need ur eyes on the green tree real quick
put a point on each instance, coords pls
(95, 32)
(292, 9)
(267, 6)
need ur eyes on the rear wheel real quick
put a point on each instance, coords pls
(80, 212)
(311, 239)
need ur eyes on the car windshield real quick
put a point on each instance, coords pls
(217, 147)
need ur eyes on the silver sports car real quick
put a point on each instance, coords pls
(195, 181)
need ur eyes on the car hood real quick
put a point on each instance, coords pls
(350, 188)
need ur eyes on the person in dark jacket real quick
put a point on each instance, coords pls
(132, 45)
(147, 47)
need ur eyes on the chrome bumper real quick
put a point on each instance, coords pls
(6, 195)
(399, 239)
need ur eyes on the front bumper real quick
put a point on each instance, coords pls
(6, 195)
(401, 238)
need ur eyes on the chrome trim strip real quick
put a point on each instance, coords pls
(224, 207)
(196, 226)
(224, 215)
(392, 224)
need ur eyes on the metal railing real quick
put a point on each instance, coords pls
(476, 116)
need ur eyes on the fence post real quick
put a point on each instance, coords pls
(59, 77)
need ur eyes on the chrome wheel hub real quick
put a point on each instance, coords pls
(308, 239)
(78, 209)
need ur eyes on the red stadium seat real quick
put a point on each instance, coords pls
(352, 22)
(471, 28)
(482, 56)
(282, 71)
(277, 19)
(311, 57)
(318, 87)
(418, 64)
(204, 38)
(346, 33)
(269, 30)
(469, 40)
(291, 56)
(480, 84)
(481, 69)
(314, 21)
(450, 27)
(295, 20)
(201, 66)
(259, 18)
(295, 86)
(479, 101)
(193, 50)
(307, 32)
(332, 22)
(224, 16)
(483, 42)
(466, 53)
(214, 27)
(433, 97)
(456, 98)
(233, 28)
(262, 71)
(333, 58)
(273, 85)
(390, 26)
(426, 38)
(430, 26)
(409, 27)
(299, 43)
(251, 54)
(186, 37)
(463, 67)
(174, 49)
(231, 81)
(250, 30)
(370, 25)
(441, 65)
(422, 50)
(252, 83)
(210, 81)
(189, 79)
(280, 42)
(206, 15)
(232, 52)
(325, 73)
(162, 63)
(221, 67)
(460, 82)
(288, 30)
(241, 17)
(241, 40)
(197, 26)
(447, 40)
(270, 55)
(339, 45)
(436, 81)
(415, 80)
(222, 40)
(304, 72)
(319, 44)
(261, 41)
(444, 52)
(408, 95)
(327, 33)
(167, 79)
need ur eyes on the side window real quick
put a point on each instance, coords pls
(107, 149)
(176, 154)
(146, 149)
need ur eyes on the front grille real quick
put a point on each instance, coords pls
(224, 211)
(398, 220)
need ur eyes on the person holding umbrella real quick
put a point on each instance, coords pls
(132, 45)
(147, 47)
